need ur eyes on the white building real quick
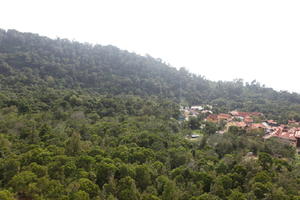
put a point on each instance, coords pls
(197, 108)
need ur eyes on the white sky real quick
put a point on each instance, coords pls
(220, 39)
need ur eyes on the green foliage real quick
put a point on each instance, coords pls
(265, 160)
(73, 145)
(236, 195)
(80, 195)
(143, 176)
(210, 128)
(170, 191)
(262, 190)
(127, 189)
(6, 195)
(32, 61)
(23, 182)
(93, 122)
(105, 171)
(207, 196)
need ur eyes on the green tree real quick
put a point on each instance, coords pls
(105, 172)
(265, 160)
(80, 195)
(89, 187)
(170, 191)
(236, 195)
(262, 190)
(6, 195)
(73, 145)
(207, 196)
(127, 189)
(210, 128)
(22, 182)
(142, 176)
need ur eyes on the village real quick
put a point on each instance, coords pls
(288, 133)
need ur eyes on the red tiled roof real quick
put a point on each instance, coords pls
(212, 117)
(271, 121)
(248, 120)
(224, 116)
(256, 126)
(290, 134)
(237, 124)
(286, 135)
(245, 114)
(282, 132)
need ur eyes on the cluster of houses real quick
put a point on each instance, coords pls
(289, 133)
(194, 111)
(239, 119)
(286, 133)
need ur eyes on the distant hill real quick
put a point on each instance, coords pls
(31, 61)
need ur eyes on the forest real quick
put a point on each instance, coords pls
(90, 122)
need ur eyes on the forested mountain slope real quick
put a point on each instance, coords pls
(29, 60)
(83, 122)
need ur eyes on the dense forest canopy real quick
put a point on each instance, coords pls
(33, 61)
(81, 121)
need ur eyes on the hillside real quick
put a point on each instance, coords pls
(31, 61)
(91, 122)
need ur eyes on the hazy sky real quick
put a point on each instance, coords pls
(220, 39)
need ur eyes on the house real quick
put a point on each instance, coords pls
(290, 136)
(239, 114)
(239, 118)
(266, 125)
(217, 118)
(212, 118)
(287, 137)
(206, 111)
(272, 122)
(257, 126)
(209, 106)
(275, 131)
(246, 114)
(197, 108)
(248, 119)
(293, 123)
(188, 113)
(223, 116)
(237, 124)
